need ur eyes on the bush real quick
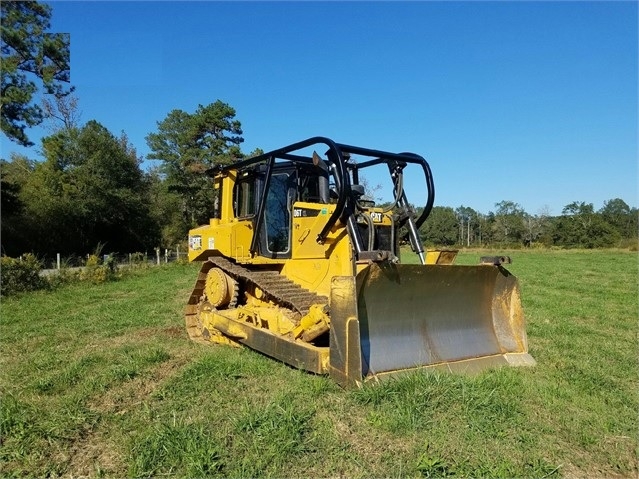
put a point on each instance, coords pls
(97, 271)
(18, 275)
(65, 275)
(138, 261)
(630, 244)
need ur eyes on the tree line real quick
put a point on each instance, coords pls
(88, 187)
(615, 224)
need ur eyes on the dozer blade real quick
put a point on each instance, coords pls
(393, 318)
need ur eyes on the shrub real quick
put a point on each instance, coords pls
(138, 260)
(65, 275)
(97, 271)
(631, 244)
(19, 275)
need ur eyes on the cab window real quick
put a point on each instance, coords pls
(244, 197)
(277, 214)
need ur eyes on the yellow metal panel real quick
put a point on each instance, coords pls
(308, 221)
(296, 353)
(242, 234)
(231, 239)
(441, 256)
(345, 351)
(226, 206)
(312, 264)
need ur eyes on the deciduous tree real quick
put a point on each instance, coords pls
(467, 219)
(580, 226)
(621, 217)
(14, 225)
(441, 227)
(509, 222)
(90, 190)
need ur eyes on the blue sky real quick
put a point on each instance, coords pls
(531, 102)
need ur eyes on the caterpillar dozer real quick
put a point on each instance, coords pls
(299, 264)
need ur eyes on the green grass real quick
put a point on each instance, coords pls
(101, 381)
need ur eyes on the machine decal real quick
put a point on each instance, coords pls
(195, 242)
(305, 212)
(376, 217)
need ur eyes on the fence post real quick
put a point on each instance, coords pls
(57, 260)
(157, 255)
(166, 255)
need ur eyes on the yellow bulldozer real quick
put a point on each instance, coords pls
(299, 264)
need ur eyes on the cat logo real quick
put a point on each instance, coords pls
(376, 217)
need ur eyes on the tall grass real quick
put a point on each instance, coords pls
(101, 380)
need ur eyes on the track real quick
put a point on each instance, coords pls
(277, 288)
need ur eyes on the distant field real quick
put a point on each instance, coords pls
(102, 381)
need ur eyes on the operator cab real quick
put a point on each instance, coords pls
(269, 184)
(289, 183)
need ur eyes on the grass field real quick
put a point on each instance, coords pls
(102, 381)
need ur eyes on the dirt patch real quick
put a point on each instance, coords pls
(95, 455)
(568, 471)
(172, 332)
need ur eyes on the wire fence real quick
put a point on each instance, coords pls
(157, 257)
